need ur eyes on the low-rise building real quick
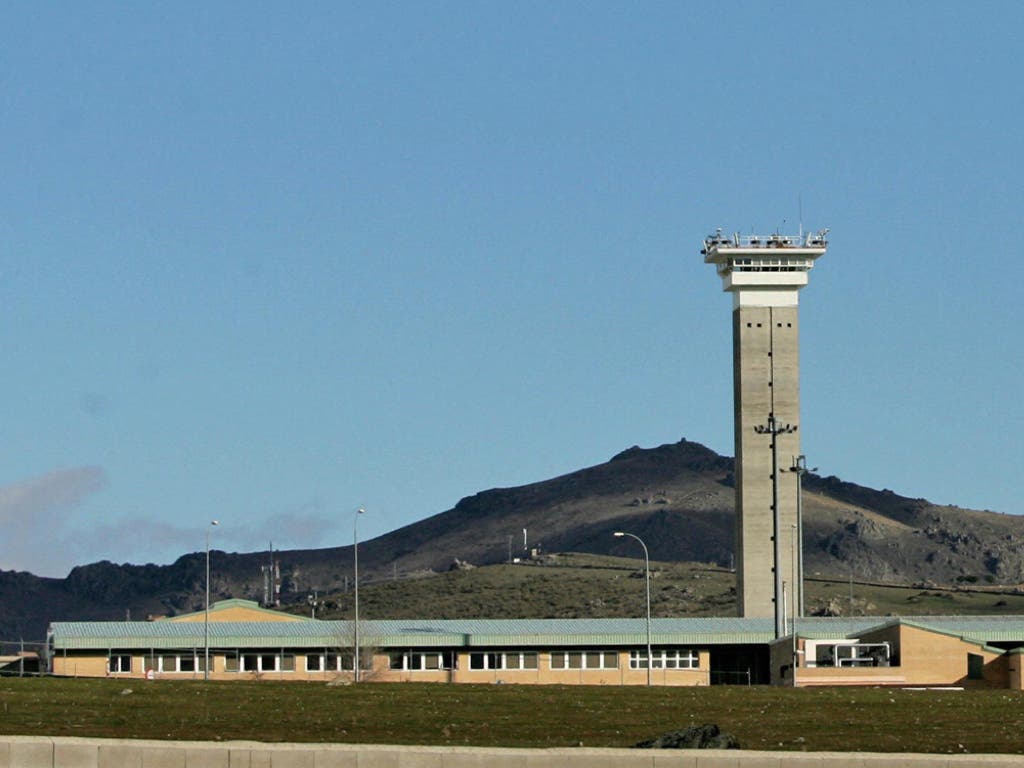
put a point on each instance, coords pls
(244, 641)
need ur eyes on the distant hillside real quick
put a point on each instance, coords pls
(575, 586)
(677, 497)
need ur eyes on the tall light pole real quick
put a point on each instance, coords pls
(794, 537)
(355, 563)
(775, 429)
(800, 467)
(206, 615)
(647, 580)
(796, 591)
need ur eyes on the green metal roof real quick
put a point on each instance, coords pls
(404, 633)
(81, 635)
(481, 633)
(979, 629)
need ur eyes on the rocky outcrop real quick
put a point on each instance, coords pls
(694, 737)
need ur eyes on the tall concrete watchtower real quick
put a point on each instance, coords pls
(764, 276)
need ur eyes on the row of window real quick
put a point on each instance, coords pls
(411, 661)
(414, 661)
(677, 658)
(482, 661)
(766, 262)
(584, 660)
(234, 662)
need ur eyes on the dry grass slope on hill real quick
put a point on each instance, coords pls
(595, 586)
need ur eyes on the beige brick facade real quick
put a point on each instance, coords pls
(95, 664)
(919, 657)
(260, 644)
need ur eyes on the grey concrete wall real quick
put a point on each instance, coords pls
(41, 752)
(766, 379)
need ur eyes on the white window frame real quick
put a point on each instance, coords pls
(487, 658)
(665, 658)
(519, 660)
(505, 661)
(589, 660)
(445, 661)
(156, 663)
(260, 656)
(331, 661)
(115, 660)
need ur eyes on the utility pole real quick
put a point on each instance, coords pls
(775, 429)
(355, 580)
(797, 590)
(206, 610)
(800, 468)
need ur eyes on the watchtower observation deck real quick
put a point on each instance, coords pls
(764, 270)
(764, 276)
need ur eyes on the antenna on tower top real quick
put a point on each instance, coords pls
(800, 210)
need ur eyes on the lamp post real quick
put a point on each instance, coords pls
(206, 614)
(797, 590)
(800, 468)
(355, 563)
(647, 580)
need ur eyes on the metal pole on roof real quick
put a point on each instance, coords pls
(647, 580)
(206, 614)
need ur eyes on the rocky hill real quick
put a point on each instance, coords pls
(677, 497)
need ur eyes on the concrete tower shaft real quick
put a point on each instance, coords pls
(764, 275)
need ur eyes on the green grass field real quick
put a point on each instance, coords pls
(875, 720)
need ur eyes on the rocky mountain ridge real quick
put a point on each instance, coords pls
(677, 497)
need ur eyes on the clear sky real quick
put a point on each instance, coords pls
(270, 262)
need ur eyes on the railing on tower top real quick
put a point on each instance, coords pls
(810, 240)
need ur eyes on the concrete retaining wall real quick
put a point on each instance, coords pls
(40, 752)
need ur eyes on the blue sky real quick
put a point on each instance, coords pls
(267, 264)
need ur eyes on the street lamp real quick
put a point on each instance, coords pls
(647, 580)
(797, 590)
(355, 563)
(800, 467)
(206, 615)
